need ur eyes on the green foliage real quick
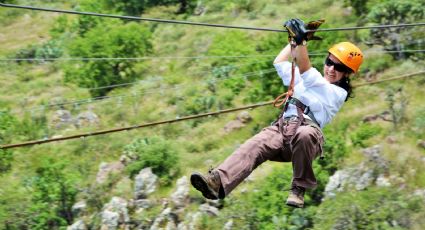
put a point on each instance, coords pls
(136, 7)
(378, 64)
(266, 209)
(377, 208)
(7, 124)
(83, 23)
(154, 152)
(53, 192)
(363, 133)
(233, 43)
(49, 49)
(397, 12)
(129, 40)
(6, 158)
(359, 6)
(334, 149)
(419, 121)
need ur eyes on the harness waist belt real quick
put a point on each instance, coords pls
(306, 110)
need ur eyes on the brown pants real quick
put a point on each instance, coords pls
(303, 146)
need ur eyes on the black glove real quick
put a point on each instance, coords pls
(299, 32)
(296, 30)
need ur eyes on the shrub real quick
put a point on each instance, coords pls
(47, 50)
(154, 152)
(363, 133)
(53, 194)
(129, 40)
(383, 208)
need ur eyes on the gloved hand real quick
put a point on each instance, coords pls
(296, 30)
(299, 32)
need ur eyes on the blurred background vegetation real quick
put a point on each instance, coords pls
(44, 97)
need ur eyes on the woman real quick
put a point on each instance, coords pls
(296, 137)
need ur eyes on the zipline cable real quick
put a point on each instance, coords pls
(29, 143)
(183, 57)
(200, 23)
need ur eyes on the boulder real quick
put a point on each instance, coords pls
(79, 208)
(180, 197)
(115, 214)
(208, 209)
(166, 218)
(241, 120)
(105, 169)
(244, 117)
(78, 225)
(85, 119)
(109, 220)
(361, 176)
(145, 183)
(62, 118)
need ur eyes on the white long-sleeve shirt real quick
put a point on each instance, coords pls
(323, 98)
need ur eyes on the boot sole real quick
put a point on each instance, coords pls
(295, 205)
(201, 185)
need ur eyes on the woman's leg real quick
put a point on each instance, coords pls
(266, 145)
(306, 145)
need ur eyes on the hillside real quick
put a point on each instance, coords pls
(135, 73)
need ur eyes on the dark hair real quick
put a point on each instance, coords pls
(344, 83)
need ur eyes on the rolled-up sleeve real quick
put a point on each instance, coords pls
(284, 70)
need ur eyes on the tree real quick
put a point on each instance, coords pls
(397, 12)
(107, 40)
(53, 194)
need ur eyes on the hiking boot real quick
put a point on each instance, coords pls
(296, 197)
(209, 185)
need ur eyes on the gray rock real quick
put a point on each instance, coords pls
(208, 209)
(143, 203)
(233, 125)
(145, 183)
(105, 169)
(85, 119)
(364, 181)
(241, 120)
(78, 225)
(228, 225)
(361, 176)
(166, 218)
(180, 197)
(383, 181)
(244, 117)
(191, 221)
(115, 214)
(109, 220)
(79, 208)
(62, 118)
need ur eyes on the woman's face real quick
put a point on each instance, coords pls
(331, 74)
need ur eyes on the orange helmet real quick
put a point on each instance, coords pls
(349, 54)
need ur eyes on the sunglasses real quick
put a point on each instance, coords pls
(338, 67)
